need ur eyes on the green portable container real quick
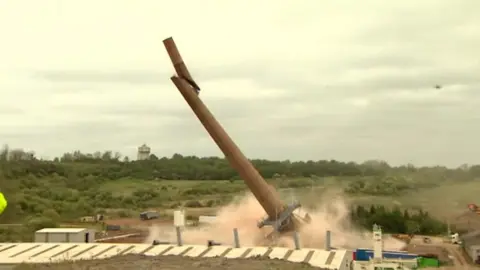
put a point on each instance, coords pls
(427, 262)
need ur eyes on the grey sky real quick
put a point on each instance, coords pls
(346, 80)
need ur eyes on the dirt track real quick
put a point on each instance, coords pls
(446, 252)
(135, 262)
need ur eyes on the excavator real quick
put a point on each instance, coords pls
(474, 208)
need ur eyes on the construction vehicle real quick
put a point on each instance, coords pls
(403, 237)
(474, 208)
(148, 215)
(92, 219)
(455, 239)
(427, 240)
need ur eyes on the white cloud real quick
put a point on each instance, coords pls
(347, 80)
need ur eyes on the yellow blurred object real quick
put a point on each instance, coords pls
(3, 203)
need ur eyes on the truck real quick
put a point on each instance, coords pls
(474, 208)
(92, 219)
(148, 215)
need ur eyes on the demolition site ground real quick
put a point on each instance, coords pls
(135, 262)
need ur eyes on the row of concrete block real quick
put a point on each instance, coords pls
(236, 239)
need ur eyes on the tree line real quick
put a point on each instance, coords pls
(110, 165)
(397, 221)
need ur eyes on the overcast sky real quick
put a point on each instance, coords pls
(346, 80)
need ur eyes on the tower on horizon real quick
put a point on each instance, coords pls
(143, 152)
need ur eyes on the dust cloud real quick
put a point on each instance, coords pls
(332, 214)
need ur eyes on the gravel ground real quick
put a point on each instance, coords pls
(136, 262)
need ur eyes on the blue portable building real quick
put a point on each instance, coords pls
(366, 254)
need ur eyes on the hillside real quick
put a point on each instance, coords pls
(48, 192)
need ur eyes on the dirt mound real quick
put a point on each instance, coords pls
(440, 252)
(135, 262)
(467, 221)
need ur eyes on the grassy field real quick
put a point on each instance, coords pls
(204, 187)
(445, 201)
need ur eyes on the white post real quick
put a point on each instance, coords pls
(296, 240)
(236, 238)
(449, 231)
(377, 243)
(328, 240)
(179, 236)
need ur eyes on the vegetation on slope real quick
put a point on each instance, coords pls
(396, 221)
(46, 192)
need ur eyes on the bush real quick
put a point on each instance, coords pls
(37, 223)
(193, 204)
